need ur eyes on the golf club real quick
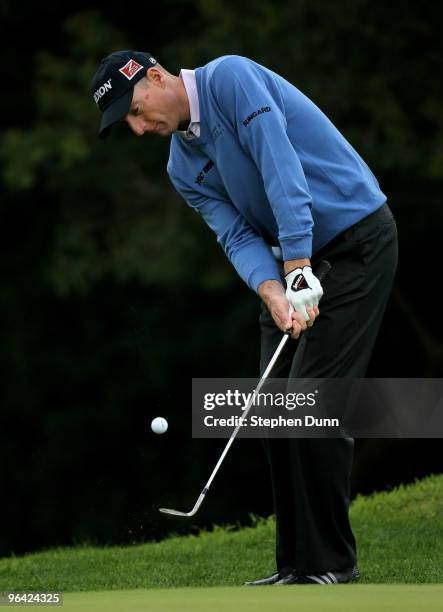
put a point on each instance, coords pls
(321, 271)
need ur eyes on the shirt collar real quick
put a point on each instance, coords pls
(190, 84)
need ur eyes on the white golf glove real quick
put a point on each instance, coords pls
(303, 290)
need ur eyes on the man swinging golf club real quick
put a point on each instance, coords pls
(282, 189)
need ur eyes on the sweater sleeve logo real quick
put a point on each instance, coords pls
(201, 175)
(260, 111)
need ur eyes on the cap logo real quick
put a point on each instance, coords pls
(130, 69)
(102, 90)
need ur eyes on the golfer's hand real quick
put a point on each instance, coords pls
(287, 319)
(273, 295)
(304, 291)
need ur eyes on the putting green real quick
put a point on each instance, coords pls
(306, 598)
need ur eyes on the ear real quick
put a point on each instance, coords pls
(156, 77)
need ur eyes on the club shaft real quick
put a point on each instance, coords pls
(248, 408)
(234, 433)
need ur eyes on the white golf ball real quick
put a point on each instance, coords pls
(159, 425)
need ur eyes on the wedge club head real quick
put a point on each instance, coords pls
(194, 509)
(176, 512)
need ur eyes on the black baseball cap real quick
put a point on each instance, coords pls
(113, 84)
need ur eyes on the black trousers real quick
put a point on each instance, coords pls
(311, 476)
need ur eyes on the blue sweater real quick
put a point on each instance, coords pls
(269, 169)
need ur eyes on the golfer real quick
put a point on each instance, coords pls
(282, 189)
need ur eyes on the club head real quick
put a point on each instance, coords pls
(176, 512)
(198, 503)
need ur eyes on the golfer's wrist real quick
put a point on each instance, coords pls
(292, 264)
(271, 290)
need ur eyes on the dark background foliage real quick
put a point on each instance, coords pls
(113, 293)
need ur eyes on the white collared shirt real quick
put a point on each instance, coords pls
(190, 84)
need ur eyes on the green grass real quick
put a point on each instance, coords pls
(399, 536)
(341, 598)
